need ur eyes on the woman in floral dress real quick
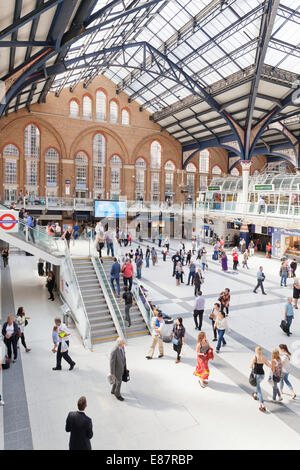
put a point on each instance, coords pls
(204, 354)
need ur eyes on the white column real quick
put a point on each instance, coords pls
(246, 164)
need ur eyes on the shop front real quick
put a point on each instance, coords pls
(286, 243)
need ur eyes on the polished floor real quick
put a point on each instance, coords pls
(164, 407)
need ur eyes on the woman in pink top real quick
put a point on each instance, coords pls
(128, 272)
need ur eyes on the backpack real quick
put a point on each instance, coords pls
(34, 223)
(277, 372)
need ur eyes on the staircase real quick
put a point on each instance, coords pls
(102, 325)
(138, 325)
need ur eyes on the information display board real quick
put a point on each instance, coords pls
(104, 208)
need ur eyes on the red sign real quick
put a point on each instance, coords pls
(8, 221)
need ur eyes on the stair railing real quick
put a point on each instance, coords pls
(142, 303)
(110, 298)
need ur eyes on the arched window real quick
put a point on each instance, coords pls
(169, 166)
(74, 108)
(99, 159)
(235, 172)
(10, 150)
(81, 163)
(100, 105)
(11, 153)
(140, 167)
(190, 178)
(169, 177)
(87, 107)
(113, 112)
(216, 170)
(32, 142)
(99, 149)
(125, 117)
(115, 174)
(204, 161)
(51, 161)
(155, 155)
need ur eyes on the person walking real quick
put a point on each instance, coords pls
(198, 280)
(199, 310)
(115, 276)
(22, 321)
(50, 283)
(109, 240)
(221, 325)
(296, 292)
(157, 324)
(224, 262)
(177, 337)
(175, 259)
(251, 248)
(289, 314)
(30, 227)
(268, 250)
(284, 271)
(5, 255)
(178, 273)
(128, 299)
(118, 367)
(159, 239)
(257, 366)
(164, 252)
(235, 257)
(192, 272)
(147, 256)
(277, 373)
(204, 354)
(245, 259)
(213, 316)
(285, 357)
(224, 300)
(203, 259)
(128, 274)
(260, 280)
(99, 241)
(167, 243)
(68, 235)
(293, 266)
(153, 256)
(139, 264)
(10, 335)
(80, 427)
(63, 336)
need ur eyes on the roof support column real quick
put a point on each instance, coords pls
(245, 164)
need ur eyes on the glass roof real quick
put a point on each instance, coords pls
(283, 183)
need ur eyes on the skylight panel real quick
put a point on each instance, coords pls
(273, 56)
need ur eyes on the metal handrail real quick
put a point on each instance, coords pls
(87, 339)
(147, 313)
(110, 298)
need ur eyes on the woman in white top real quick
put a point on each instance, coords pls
(21, 321)
(221, 325)
(285, 356)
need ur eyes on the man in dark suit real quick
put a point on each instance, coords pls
(117, 367)
(80, 426)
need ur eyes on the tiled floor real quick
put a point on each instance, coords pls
(164, 406)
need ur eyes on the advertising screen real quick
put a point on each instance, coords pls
(109, 209)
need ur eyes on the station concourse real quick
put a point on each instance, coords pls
(167, 125)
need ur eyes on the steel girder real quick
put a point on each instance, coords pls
(267, 23)
(189, 29)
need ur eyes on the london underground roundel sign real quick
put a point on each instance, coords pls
(9, 221)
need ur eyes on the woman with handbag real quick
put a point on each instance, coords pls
(285, 356)
(224, 300)
(277, 373)
(204, 354)
(21, 321)
(177, 337)
(257, 366)
(213, 316)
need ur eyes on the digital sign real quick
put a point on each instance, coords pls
(115, 209)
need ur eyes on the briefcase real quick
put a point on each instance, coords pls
(125, 377)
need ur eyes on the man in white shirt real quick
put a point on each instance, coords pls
(157, 326)
(199, 310)
(63, 337)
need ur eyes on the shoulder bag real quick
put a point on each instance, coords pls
(252, 378)
(212, 316)
(125, 376)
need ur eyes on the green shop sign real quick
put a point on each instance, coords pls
(264, 187)
(214, 188)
